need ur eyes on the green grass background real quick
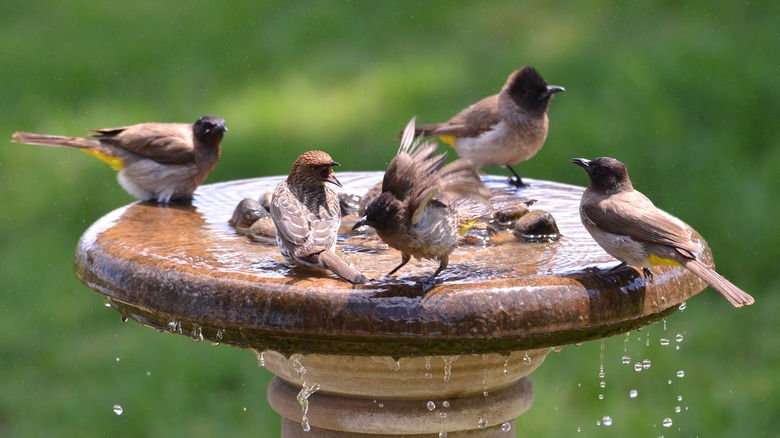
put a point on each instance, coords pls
(685, 93)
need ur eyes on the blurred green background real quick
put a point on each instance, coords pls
(685, 93)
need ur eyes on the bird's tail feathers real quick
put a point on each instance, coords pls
(55, 140)
(736, 296)
(331, 261)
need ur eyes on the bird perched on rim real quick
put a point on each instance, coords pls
(306, 213)
(627, 225)
(503, 129)
(156, 161)
(408, 216)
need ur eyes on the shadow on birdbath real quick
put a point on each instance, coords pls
(382, 358)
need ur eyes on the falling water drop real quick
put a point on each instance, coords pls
(625, 342)
(667, 422)
(679, 337)
(681, 373)
(506, 427)
(481, 423)
(638, 367)
(633, 393)
(485, 393)
(220, 334)
(431, 405)
(260, 358)
(626, 360)
(664, 342)
(506, 364)
(118, 409)
(601, 396)
(646, 364)
(683, 305)
(557, 349)
(664, 320)
(677, 409)
(607, 420)
(446, 404)
(443, 434)
(427, 362)
(448, 360)
(527, 358)
(679, 398)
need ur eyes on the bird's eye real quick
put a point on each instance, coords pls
(310, 166)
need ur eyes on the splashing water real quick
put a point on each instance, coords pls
(303, 400)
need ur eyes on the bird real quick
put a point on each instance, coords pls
(410, 215)
(626, 224)
(503, 129)
(156, 161)
(306, 213)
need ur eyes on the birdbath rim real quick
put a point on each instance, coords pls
(180, 268)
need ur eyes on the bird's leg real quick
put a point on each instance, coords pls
(430, 281)
(404, 260)
(515, 179)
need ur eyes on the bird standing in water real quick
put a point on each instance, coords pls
(408, 216)
(503, 129)
(306, 213)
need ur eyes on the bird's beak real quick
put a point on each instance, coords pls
(552, 89)
(360, 223)
(582, 162)
(328, 175)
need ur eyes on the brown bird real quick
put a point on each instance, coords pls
(627, 225)
(408, 216)
(503, 129)
(156, 161)
(306, 212)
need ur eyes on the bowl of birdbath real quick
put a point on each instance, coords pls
(359, 358)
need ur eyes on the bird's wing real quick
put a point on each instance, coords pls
(471, 122)
(166, 143)
(639, 219)
(290, 217)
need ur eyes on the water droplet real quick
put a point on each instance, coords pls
(197, 333)
(174, 326)
(679, 337)
(683, 305)
(579, 429)
(527, 359)
(260, 358)
(633, 393)
(220, 334)
(381, 405)
(601, 396)
(446, 404)
(557, 349)
(431, 405)
(118, 409)
(443, 414)
(427, 362)
(448, 360)
(481, 423)
(117, 359)
(646, 364)
(664, 320)
(598, 422)
(603, 384)
(667, 422)
(393, 364)
(148, 373)
(607, 420)
(681, 373)
(485, 393)
(443, 434)
(244, 409)
(638, 366)
(626, 360)
(677, 409)
(664, 342)
(669, 381)
(601, 372)
(428, 375)
(506, 365)
(506, 427)
(679, 398)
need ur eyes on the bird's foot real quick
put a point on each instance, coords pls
(427, 284)
(648, 274)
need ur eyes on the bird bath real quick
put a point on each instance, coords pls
(382, 358)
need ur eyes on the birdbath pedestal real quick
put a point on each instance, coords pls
(384, 358)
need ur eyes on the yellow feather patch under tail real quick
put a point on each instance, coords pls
(467, 226)
(449, 139)
(660, 261)
(116, 163)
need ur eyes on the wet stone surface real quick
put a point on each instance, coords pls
(185, 263)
